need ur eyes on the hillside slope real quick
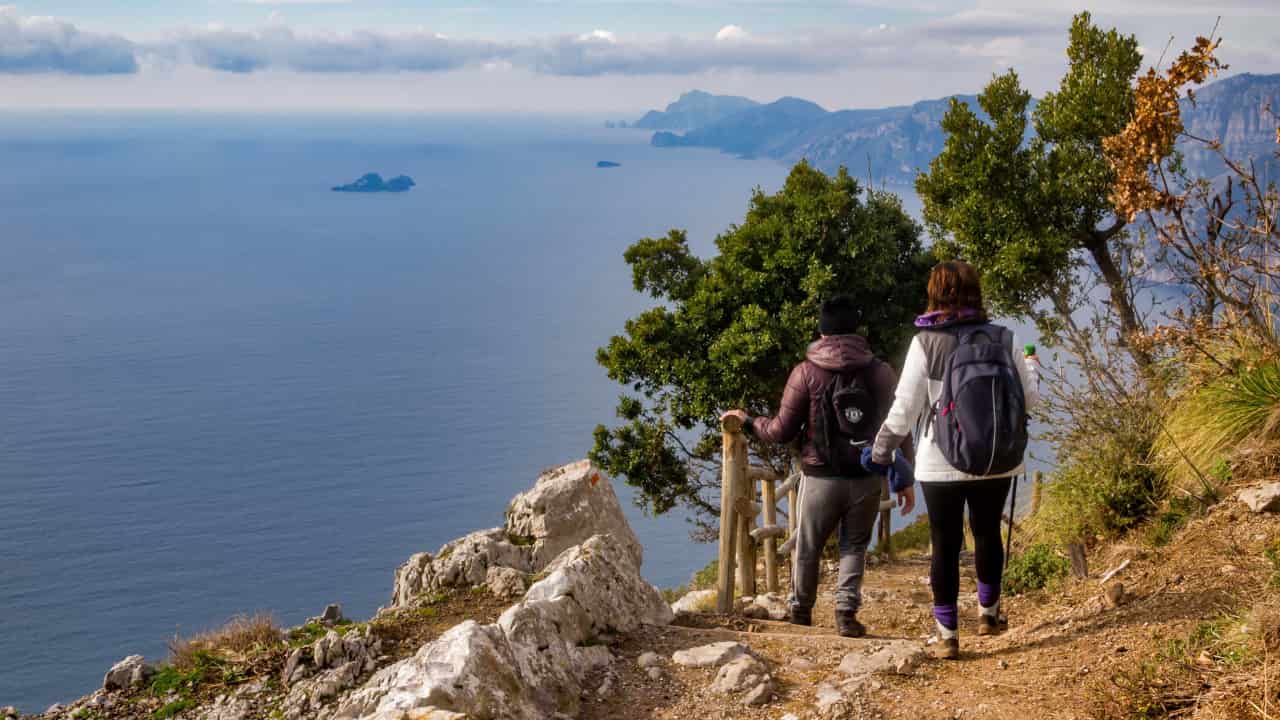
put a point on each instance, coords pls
(899, 142)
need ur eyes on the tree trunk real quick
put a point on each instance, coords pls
(1118, 289)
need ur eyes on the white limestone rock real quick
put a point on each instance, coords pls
(464, 562)
(1264, 498)
(129, 672)
(694, 602)
(505, 582)
(713, 655)
(568, 505)
(894, 656)
(532, 663)
(741, 673)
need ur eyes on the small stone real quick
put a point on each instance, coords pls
(1264, 498)
(606, 687)
(738, 675)
(802, 664)
(649, 659)
(876, 685)
(712, 655)
(759, 695)
(905, 665)
(654, 673)
(1002, 665)
(505, 582)
(1114, 595)
(55, 708)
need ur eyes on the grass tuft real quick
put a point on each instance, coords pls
(1034, 569)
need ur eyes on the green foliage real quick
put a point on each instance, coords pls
(1106, 483)
(174, 708)
(727, 330)
(1210, 422)
(703, 579)
(1034, 569)
(312, 631)
(1222, 640)
(915, 536)
(1023, 206)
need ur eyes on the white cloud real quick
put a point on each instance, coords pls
(599, 35)
(43, 44)
(731, 32)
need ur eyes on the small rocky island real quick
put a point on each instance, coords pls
(373, 183)
(608, 164)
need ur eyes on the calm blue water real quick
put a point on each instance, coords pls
(224, 388)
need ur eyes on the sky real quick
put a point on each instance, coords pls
(565, 56)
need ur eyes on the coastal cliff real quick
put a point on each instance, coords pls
(547, 616)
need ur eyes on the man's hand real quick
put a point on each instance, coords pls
(740, 414)
(907, 500)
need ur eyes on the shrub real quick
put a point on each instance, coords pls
(1209, 424)
(1101, 492)
(1033, 569)
(242, 637)
(915, 536)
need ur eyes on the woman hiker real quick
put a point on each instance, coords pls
(834, 401)
(978, 389)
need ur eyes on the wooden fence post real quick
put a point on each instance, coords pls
(770, 501)
(734, 464)
(746, 507)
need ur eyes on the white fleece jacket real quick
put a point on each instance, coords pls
(916, 393)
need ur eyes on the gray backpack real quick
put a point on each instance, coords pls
(980, 420)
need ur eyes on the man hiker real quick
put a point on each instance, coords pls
(834, 402)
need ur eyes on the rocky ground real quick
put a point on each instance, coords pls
(1183, 630)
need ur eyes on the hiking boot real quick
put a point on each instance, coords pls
(802, 616)
(847, 624)
(989, 625)
(941, 648)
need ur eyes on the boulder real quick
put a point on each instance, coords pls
(1264, 498)
(228, 707)
(742, 673)
(532, 663)
(505, 582)
(565, 507)
(891, 657)
(697, 601)
(464, 562)
(129, 672)
(331, 616)
(713, 655)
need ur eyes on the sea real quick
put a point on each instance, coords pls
(226, 389)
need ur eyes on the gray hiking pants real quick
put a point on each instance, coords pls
(828, 503)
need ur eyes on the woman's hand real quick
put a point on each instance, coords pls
(740, 414)
(907, 500)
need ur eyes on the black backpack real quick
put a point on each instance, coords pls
(846, 421)
(980, 419)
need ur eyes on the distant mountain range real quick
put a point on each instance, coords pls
(898, 142)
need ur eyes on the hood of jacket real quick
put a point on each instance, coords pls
(840, 353)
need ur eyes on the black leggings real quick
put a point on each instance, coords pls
(946, 502)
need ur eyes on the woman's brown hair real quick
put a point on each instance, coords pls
(955, 286)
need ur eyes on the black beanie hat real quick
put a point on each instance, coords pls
(839, 316)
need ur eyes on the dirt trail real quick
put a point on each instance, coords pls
(1057, 660)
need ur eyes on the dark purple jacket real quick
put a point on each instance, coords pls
(800, 400)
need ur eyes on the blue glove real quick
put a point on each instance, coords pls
(901, 475)
(871, 466)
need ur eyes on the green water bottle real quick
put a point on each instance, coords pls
(1029, 350)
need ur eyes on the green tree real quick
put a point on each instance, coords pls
(728, 329)
(1034, 212)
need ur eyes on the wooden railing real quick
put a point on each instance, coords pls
(741, 506)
